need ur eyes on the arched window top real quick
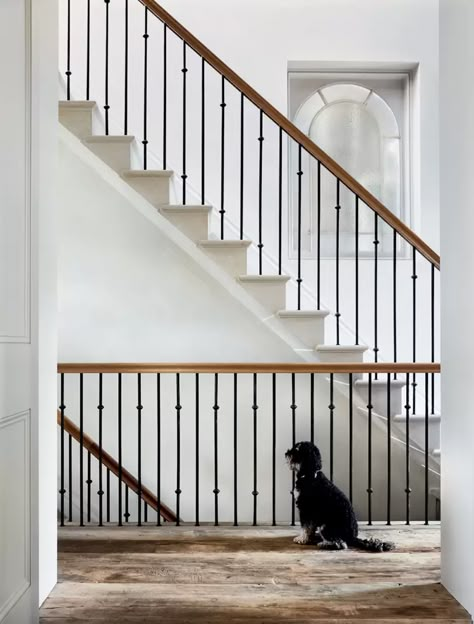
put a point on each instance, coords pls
(334, 94)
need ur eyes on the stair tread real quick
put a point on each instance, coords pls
(342, 348)
(109, 138)
(224, 243)
(303, 314)
(147, 173)
(264, 278)
(397, 383)
(78, 104)
(190, 208)
(419, 417)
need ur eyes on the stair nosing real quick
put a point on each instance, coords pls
(108, 138)
(342, 348)
(420, 417)
(380, 382)
(190, 208)
(302, 314)
(263, 278)
(211, 243)
(77, 104)
(147, 173)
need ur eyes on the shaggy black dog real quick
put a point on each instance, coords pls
(326, 515)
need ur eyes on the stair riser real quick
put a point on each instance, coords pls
(156, 190)
(233, 260)
(116, 154)
(195, 227)
(379, 400)
(77, 121)
(417, 433)
(341, 356)
(310, 331)
(270, 296)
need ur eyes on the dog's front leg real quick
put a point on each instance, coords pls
(305, 537)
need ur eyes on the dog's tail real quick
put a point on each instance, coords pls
(372, 544)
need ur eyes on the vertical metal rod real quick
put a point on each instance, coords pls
(145, 512)
(70, 476)
(165, 88)
(299, 174)
(216, 451)
(260, 195)
(369, 451)
(139, 446)
(100, 407)
(331, 426)
(68, 52)
(407, 448)
(356, 281)
(158, 445)
(185, 71)
(242, 144)
(376, 284)
(88, 50)
(125, 91)
(414, 278)
(273, 449)
(89, 483)
(338, 222)
(119, 408)
(108, 496)
(178, 448)
(106, 105)
(432, 336)
(222, 105)
(293, 442)
(318, 236)
(145, 96)
(394, 297)
(81, 448)
(127, 513)
(203, 131)
(255, 442)
(235, 450)
(427, 442)
(351, 436)
(280, 197)
(197, 449)
(389, 447)
(62, 491)
(311, 409)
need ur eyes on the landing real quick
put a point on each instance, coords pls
(233, 576)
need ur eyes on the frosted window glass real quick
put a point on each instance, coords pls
(384, 115)
(350, 92)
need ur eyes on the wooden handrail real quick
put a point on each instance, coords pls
(109, 462)
(291, 130)
(299, 367)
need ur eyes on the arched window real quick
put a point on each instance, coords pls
(358, 129)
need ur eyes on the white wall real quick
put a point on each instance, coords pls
(457, 223)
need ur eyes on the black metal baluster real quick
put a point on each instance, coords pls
(351, 436)
(331, 426)
(299, 174)
(311, 409)
(81, 448)
(280, 197)
(197, 449)
(376, 284)
(235, 450)
(88, 50)
(389, 447)
(145, 100)
(222, 105)
(427, 459)
(395, 297)
(260, 195)
(127, 513)
(407, 448)
(203, 132)
(62, 491)
(158, 446)
(338, 222)
(139, 446)
(68, 52)
(106, 105)
(318, 236)
(145, 512)
(119, 424)
(356, 281)
(125, 92)
(414, 278)
(254, 409)
(273, 449)
(89, 483)
(100, 493)
(242, 145)
(369, 451)
(432, 336)
(70, 475)
(178, 447)
(185, 71)
(293, 442)
(165, 88)
(108, 496)
(216, 450)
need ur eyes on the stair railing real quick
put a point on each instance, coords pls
(210, 440)
(189, 110)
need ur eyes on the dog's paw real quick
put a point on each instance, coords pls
(301, 539)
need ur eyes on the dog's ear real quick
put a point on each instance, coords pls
(311, 459)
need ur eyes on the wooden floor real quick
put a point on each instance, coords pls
(234, 576)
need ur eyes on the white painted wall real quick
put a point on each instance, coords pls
(457, 223)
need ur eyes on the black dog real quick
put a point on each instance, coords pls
(326, 515)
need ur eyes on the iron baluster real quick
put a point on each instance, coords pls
(254, 409)
(178, 447)
(222, 105)
(216, 450)
(185, 72)
(260, 195)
